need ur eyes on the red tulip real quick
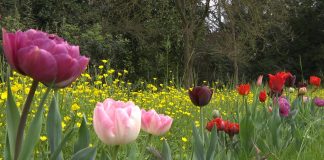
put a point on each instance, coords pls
(232, 128)
(276, 82)
(316, 81)
(243, 89)
(263, 96)
(200, 96)
(44, 57)
(218, 122)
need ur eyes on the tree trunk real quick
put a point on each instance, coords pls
(188, 60)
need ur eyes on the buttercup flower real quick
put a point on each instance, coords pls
(263, 96)
(243, 89)
(44, 57)
(117, 122)
(200, 95)
(319, 102)
(316, 81)
(154, 123)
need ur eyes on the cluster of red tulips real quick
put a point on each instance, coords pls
(228, 127)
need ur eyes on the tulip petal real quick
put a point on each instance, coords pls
(8, 44)
(103, 124)
(37, 63)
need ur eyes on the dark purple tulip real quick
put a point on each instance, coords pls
(290, 80)
(284, 106)
(200, 95)
(319, 102)
(44, 57)
(301, 84)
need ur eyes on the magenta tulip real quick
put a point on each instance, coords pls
(44, 57)
(154, 123)
(117, 122)
(319, 102)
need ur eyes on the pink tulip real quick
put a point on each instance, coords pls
(117, 122)
(44, 57)
(259, 81)
(154, 123)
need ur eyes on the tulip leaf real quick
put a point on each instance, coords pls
(166, 152)
(12, 119)
(7, 155)
(34, 130)
(132, 152)
(84, 136)
(88, 153)
(54, 126)
(212, 145)
(198, 144)
(58, 150)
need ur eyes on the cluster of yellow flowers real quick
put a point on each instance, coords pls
(80, 99)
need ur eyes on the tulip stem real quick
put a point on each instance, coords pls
(115, 153)
(202, 125)
(23, 118)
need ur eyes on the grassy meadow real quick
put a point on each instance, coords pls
(302, 140)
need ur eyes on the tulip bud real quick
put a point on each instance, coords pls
(200, 95)
(302, 91)
(270, 109)
(291, 89)
(154, 123)
(216, 113)
(259, 81)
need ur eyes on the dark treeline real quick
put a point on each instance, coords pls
(190, 40)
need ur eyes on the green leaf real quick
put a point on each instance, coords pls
(212, 145)
(197, 144)
(58, 150)
(84, 136)
(12, 119)
(34, 130)
(54, 127)
(166, 152)
(7, 155)
(132, 152)
(88, 153)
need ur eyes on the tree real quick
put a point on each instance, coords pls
(192, 14)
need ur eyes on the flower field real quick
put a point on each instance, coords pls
(81, 97)
(56, 106)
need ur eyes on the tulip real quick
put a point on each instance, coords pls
(200, 95)
(284, 106)
(316, 81)
(154, 123)
(291, 90)
(232, 128)
(44, 57)
(276, 82)
(243, 89)
(218, 122)
(259, 81)
(319, 102)
(302, 91)
(117, 122)
(216, 113)
(290, 80)
(263, 96)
